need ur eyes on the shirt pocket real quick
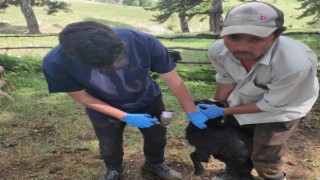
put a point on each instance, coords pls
(250, 93)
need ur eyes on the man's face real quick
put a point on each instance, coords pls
(247, 47)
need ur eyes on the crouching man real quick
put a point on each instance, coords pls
(268, 81)
(107, 70)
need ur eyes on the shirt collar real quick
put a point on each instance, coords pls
(266, 58)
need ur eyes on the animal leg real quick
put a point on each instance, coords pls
(198, 167)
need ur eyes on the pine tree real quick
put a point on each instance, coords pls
(311, 8)
(186, 9)
(26, 8)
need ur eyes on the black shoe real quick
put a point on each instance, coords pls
(113, 174)
(232, 176)
(162, 171)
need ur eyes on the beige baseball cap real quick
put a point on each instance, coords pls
(255, 18)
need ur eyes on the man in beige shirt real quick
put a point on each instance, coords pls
(268, 82)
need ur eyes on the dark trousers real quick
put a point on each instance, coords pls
(269, 145)
(110, 135)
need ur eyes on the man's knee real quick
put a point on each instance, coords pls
(268, 161)
(270, 170)
(155, 133)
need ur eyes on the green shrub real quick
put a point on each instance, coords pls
(17, 64)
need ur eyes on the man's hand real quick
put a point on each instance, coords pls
(140, 120)
(198, 119)
(211, 111)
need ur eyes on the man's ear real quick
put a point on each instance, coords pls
(279, 31)
(276, 36)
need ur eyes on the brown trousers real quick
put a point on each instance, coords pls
(269, 145)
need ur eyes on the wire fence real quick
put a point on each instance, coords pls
(312, 39)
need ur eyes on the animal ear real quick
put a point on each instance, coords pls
(219, 104)
(204, 101)
(209, 101)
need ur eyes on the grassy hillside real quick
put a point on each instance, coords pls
(131, 17)
(12, 22)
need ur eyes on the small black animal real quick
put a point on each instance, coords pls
(219, 140)
(175, 55)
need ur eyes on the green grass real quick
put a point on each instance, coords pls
(39, 127)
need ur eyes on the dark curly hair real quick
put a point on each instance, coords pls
(91, 42)
(279, 31)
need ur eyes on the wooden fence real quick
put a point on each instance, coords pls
(198, 36)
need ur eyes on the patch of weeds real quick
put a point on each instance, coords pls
(199, 73)
(313, 158)
(3, 24)
(26, 82)
(200, 89)
(20, 64)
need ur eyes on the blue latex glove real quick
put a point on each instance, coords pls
(211, 111)
(198, 119)
(140, 120)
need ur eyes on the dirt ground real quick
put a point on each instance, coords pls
(302, 161)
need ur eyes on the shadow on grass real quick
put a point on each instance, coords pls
(6, 28)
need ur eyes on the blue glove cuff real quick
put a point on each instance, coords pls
(198, 119)
(140, 120)
(195, 115)
(221, 111)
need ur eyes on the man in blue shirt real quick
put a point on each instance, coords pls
(107, 70)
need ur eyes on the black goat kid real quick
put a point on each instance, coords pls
(221, 141)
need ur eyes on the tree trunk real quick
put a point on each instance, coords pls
(183, 22)
(30, 17)
(215, 17)
(5, 86)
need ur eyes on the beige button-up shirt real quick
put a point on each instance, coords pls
(283, 83)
